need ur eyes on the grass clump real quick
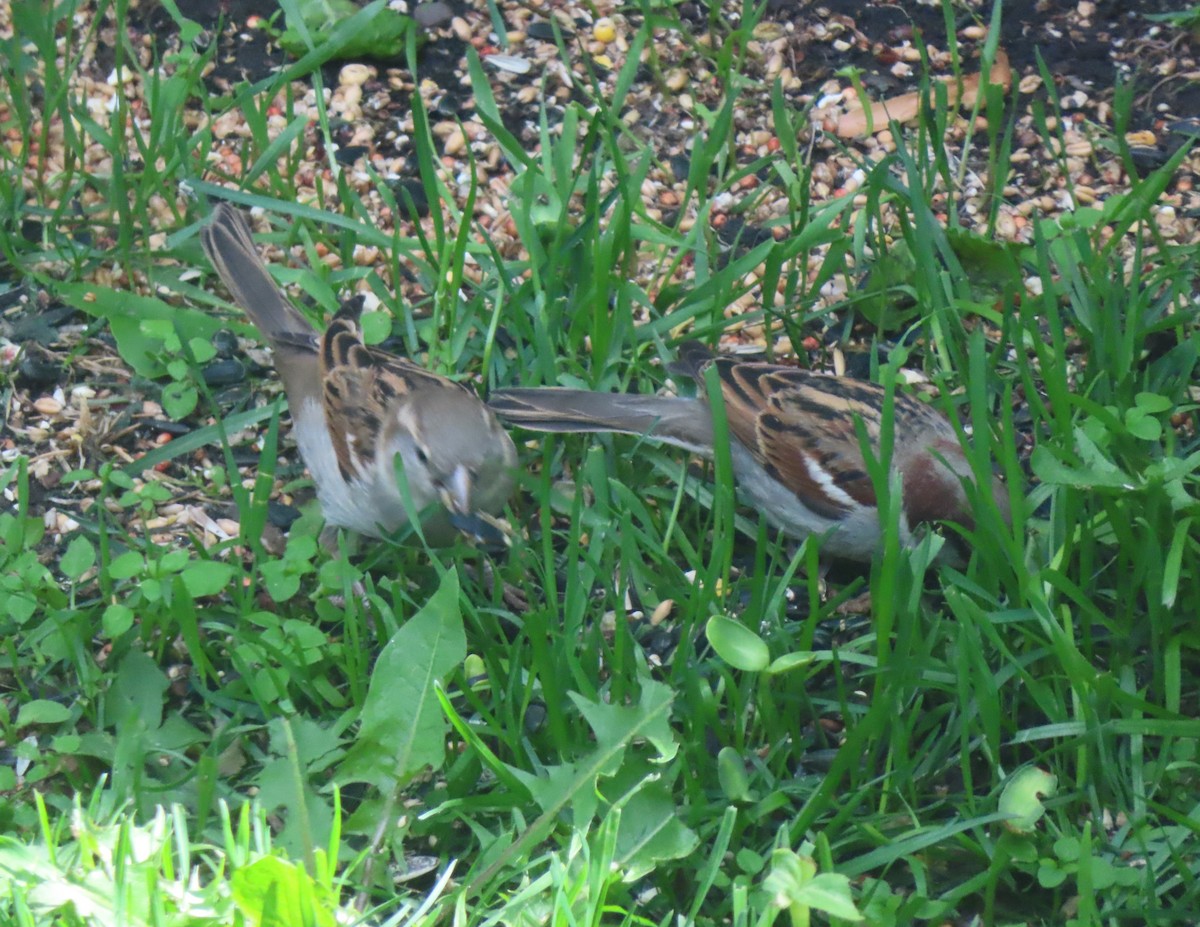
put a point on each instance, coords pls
(650, 707)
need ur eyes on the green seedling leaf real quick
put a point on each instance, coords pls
(1068, 849)
(164, 330)
(127, 565)
(206, 577)
(78, 559)
(202, 350)
(1021, 848)
(179, 400)
(1153, 403)
(117, 619)
(337, 574)
(1049, 875)
(375, 326)
(1022, 798)
(173, 561)
(737, 645)
(1143, 419)
(1086, 217)
(1143, 425)
(749, 862)
(135, 700)
(795, 884)
(280, 578)
(20, 608)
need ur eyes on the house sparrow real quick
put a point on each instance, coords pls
(795, 451)
(355, 408)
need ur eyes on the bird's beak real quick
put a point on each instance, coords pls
(456, 497)
(456, 492)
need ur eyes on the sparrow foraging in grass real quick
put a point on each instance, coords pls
(356, 408)
(794, 447)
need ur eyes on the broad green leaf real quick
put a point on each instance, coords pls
(42, 711)
(126, 314)
(1153, 403)
(179, 400)
(136, 697)
(648, 720)
(1142, 424)
(280, 579)
(375, 326)
(1068, 849)
(830, 892)
(403, 728)
(1049, 468)
(376, 31)
(652, 832)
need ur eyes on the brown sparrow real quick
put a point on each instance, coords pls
(795, 451)
(356, 408)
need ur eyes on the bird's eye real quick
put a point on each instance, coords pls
(422, 457)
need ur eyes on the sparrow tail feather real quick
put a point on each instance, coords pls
(683, 422)
(227, 242)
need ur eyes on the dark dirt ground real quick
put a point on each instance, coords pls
(1119, 41)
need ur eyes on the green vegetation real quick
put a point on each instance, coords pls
(211, 733)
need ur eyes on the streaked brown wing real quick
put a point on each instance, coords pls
(800, 426)
(396, 375)
(745, 392)
(348, 377)
(807, 435)
(362, 387)
(779, 418)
